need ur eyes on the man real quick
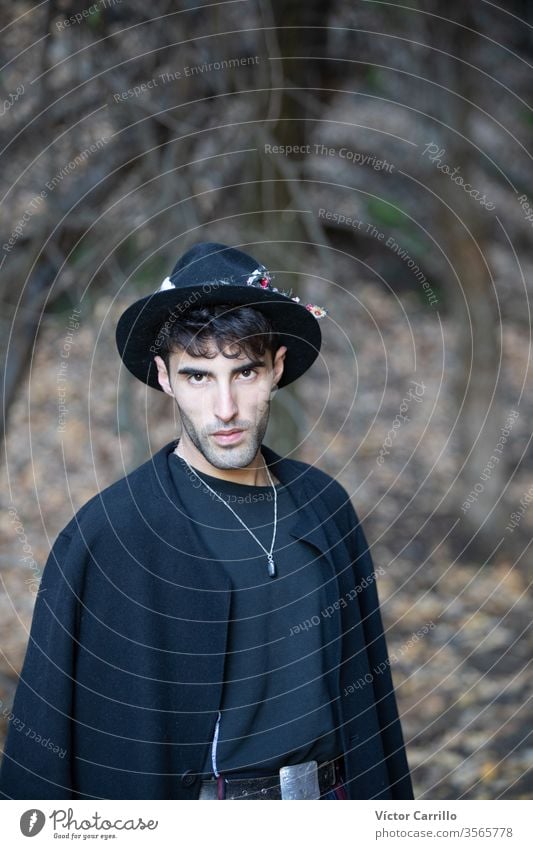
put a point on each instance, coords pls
(208, 627)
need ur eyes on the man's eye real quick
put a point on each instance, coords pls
(247, 371)
(198, 375)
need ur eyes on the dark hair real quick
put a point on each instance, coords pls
(224, 324)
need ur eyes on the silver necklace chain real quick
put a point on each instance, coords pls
(269, 554)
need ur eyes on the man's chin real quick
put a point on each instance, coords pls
(230, 456)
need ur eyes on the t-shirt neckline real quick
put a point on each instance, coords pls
(220, 483)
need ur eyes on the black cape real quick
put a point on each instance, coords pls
(122, 679)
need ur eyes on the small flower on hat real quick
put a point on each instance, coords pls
(314, 309)
(166, 284)
(260, 277)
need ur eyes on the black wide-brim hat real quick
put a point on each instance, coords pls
(212, 273)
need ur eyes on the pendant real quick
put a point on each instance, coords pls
(271, 566)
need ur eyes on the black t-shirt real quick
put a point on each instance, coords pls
(279, 692)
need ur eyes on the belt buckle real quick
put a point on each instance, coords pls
(299, 781)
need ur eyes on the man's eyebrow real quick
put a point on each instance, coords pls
(236, 370)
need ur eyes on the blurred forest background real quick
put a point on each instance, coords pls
(377, 158)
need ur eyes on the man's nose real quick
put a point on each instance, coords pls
(225, 404)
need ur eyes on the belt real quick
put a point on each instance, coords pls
(298, 781)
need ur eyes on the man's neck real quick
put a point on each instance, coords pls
(252, 475)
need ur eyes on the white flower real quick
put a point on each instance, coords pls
(166, 284)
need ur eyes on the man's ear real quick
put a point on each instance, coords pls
(162, 376)
(279, 363)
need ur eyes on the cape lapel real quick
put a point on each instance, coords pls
(313, 516)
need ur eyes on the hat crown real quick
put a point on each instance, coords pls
(206, 262)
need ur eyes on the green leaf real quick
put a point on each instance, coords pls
(381, 212)
(95, 19)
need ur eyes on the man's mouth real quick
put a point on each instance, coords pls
(226, 437)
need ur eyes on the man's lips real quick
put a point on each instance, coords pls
(226, 436)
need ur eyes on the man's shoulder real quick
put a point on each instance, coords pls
(322, 484)
(120, 502)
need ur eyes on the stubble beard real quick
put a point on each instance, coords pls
(228, 457)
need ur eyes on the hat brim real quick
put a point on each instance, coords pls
(138, 327)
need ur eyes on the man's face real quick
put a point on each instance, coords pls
(224, 402)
